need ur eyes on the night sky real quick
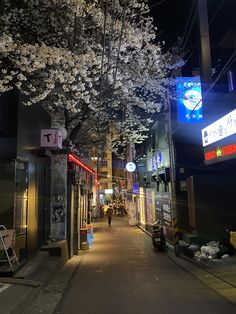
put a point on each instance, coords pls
(179, 18)
(175, 18)
(170, 17)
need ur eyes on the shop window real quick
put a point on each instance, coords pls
(21, 197)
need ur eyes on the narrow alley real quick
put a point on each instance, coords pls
(122, 273)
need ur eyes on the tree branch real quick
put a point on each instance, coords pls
(62, 26)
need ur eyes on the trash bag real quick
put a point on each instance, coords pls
(225, 247)
(190, 250)
(207, 251)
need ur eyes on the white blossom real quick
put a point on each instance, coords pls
(57, 60)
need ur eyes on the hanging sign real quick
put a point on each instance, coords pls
(157, 160)
(189, 98)
(135, 188)
(51, 138)
(130, 167)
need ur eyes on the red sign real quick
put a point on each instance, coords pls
(72, 158)
(220, 152)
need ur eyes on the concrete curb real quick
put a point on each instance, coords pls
(214, 282)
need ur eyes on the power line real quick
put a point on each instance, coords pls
(216, 12)
(190, 29)
(187, 29)
(158, 3)
(184, 41)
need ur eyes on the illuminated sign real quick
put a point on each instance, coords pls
(223, 153)
(135, 188)
(189, 96)
(108, 191)
(51, 138)
(75, 160)
(219, 129)
(130, 167)
(157, 160)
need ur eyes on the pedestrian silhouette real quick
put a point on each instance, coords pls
(109, 215)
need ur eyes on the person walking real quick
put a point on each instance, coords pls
(101, 211)
(109, 215)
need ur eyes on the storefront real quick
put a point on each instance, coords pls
(211, 197)
(81, 181)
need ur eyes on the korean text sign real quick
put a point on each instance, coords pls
(189, 98)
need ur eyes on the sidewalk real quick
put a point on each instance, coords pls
(53, 279)
(220, 276)
(38, 286)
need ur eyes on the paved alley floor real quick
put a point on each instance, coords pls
(122, 274)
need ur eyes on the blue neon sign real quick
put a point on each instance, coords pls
(135, 188)
(189, 98)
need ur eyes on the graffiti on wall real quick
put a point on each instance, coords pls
(59, 197)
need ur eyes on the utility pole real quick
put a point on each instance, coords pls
(205, 48)
(174, 226)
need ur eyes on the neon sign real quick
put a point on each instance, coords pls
(157, 160)
(220, 152)
(189, 96)
(72, 158)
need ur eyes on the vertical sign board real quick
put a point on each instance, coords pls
(157, 160)
(153, 207)
(189, 98)
(158, 206)
(132, 213)
(59, 196)
(142, 206)
(149, 206)
(135, 189)
(163, 212)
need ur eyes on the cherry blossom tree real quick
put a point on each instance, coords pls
(94, 65)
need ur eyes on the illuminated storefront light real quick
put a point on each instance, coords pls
(221, 152)
(189, 98)
(142, 206)
(219, 129)
(79, 163)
